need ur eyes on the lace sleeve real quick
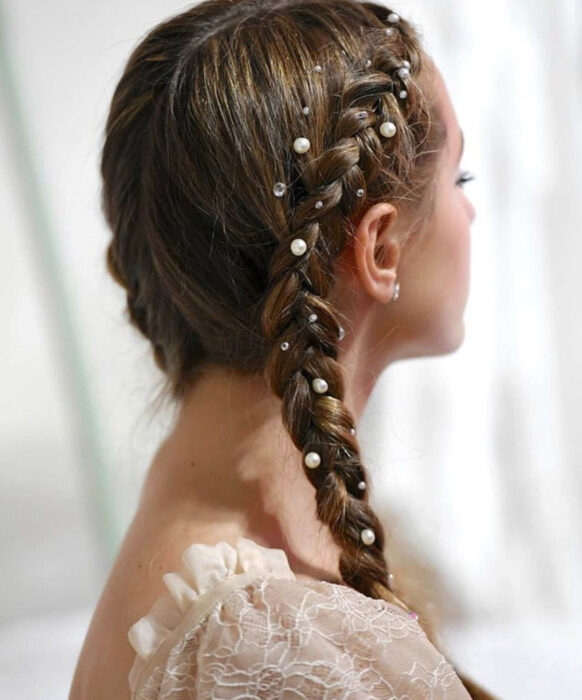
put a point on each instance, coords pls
(279, 638)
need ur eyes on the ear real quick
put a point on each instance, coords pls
(377, 251)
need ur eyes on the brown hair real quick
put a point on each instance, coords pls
(201, 127)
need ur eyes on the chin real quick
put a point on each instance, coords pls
(449, 339)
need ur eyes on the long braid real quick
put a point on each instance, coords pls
(317, 422)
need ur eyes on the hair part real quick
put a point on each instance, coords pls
(200, 128)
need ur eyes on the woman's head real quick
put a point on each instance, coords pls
(201, 128)
(205, 193)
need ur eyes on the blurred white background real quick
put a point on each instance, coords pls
(477, 453)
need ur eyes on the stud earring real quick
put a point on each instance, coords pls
(396, 293)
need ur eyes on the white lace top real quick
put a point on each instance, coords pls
(236, 623)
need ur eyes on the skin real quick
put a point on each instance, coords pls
(229, 468)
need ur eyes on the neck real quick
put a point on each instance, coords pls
(229, 468)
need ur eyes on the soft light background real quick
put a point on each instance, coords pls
(476, 453)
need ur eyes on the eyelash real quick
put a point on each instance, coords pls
(466, 176)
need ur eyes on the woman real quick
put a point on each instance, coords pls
(273, 173)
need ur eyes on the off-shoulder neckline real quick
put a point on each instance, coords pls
(208, 573)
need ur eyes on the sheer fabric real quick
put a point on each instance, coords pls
(236, 623)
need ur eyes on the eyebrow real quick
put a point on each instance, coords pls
(462, 144)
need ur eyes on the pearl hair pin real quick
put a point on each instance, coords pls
(368, 536)
(301, 144)
(388, 129)
(312, 460)
(312, 318)
(298, 246)
(319, 385)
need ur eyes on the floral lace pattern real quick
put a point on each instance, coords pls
(272, 636)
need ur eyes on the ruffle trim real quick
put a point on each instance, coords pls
(204, 567)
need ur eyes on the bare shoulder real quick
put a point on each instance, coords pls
(152, 546)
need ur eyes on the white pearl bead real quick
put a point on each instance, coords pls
(301, 144)
(284, 346)
(403, 94)
(312, 460)
(390, 31)
(360, 192)
(388, 129)
(353, 431)
(362, 485)
(298, 246)
(396, 292)
(368, 536)
(318, 68)
(312, 318)
(393, 17)
(341, 333)
(319, 385)
(406, 64)
(403, 73)
(368, 63)
(306, 110)
(318, 204)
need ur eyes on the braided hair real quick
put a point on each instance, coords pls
(205, 195)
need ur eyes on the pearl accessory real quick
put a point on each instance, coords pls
(390, 580)
(319, 385)
(312, 460)
(368, 536)
(298, 246)
(388, 129)
(362, 485)
(393, 17)
(306, 110)
(368, 63)
(390, 31)
(301, 145)
(284, 346)
(360, 192)
(396, 293)
(353, 431)
(403, 73)
(341, 333)
(318, 204)
(318, 68)
(403, 94)
(279, 189)
(406, 64)
(312, 318)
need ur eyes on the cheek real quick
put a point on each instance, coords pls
(441, 273)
